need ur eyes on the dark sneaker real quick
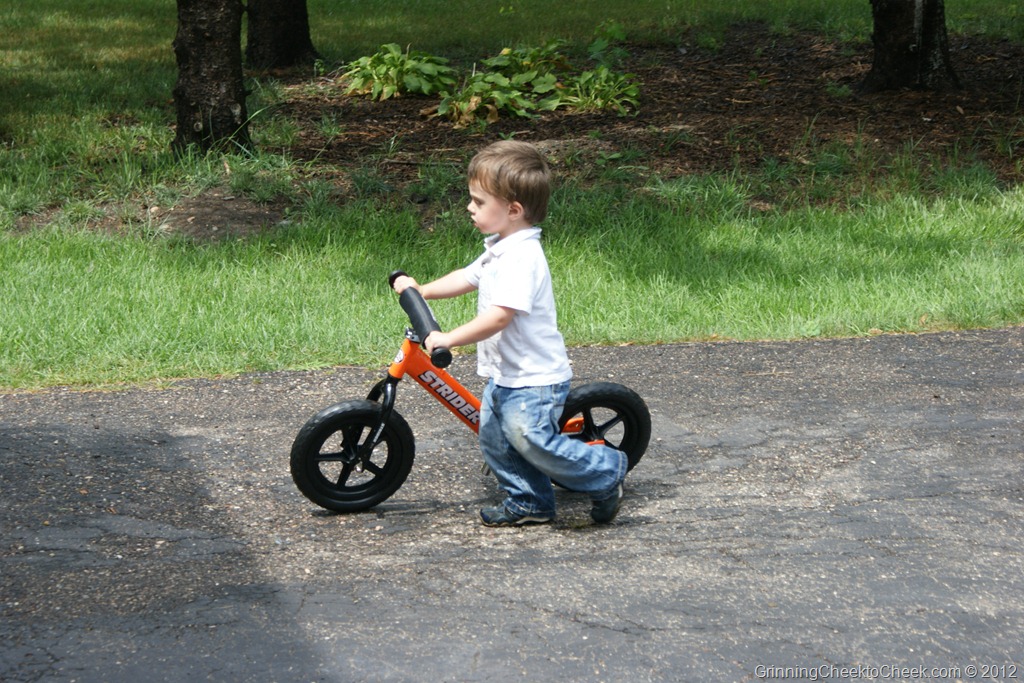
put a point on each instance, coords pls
(500, 516)
(604, 511)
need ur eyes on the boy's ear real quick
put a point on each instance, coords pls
(515, 210)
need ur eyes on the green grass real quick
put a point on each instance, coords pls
(86, 113)
(84, 308)
(850, 243)
(348, 29)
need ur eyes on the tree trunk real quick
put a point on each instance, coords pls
(278, 34)
(210, 93)
(911, 46)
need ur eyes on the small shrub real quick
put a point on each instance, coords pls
(484, 96)
(602, 89)
(391, 72)
(547, 59)
(516, 82)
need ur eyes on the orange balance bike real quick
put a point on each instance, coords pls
(355, 454)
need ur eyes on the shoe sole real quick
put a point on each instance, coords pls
(522, 521)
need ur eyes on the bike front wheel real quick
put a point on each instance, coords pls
(608, 413)
(328, 464)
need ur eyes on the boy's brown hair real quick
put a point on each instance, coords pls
(516, 172)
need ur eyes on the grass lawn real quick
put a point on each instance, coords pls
(711, 216)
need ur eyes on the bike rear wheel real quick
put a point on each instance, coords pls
(609, 413)
(325, 462)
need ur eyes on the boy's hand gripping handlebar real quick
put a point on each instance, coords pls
(422, 319)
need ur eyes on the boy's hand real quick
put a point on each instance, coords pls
(437, 340)
(404, 282)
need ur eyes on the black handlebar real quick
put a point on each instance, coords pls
(422, 319)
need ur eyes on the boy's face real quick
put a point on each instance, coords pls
(493, 215)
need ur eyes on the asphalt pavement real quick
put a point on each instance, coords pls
(815, 510)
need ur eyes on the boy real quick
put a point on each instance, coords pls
(519, 347)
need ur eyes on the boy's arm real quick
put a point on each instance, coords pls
(484, 326)
(452, 284)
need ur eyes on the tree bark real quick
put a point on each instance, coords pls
(210, 93)
(278, 34)
(911, 47)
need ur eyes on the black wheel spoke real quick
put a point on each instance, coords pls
(329, 457)
(592, 431)
(346, 471)
(589, 428)
(607, 426)
(349, 447)
(350, 440)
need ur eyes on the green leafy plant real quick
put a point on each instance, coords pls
(516, 81)
(484, 96)
(390, 72)
(544, 60)
(602, 89)
(523, 81)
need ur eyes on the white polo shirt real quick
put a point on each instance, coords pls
(513, 272)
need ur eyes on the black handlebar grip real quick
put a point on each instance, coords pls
(423, 321)
(395, 274)
(441, 357)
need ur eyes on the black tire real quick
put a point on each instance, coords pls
(323, 462)
(611, 413)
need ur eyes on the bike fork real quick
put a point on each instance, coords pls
(383, 392)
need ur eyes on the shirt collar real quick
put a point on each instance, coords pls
(497, 246)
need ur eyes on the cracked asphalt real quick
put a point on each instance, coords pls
(816, 504)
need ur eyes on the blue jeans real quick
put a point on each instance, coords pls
(523, 446)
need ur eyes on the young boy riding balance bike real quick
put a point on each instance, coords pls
(519, 348)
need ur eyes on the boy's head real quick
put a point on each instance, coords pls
(516, 172)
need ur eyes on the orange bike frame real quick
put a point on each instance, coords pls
(412, 360)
